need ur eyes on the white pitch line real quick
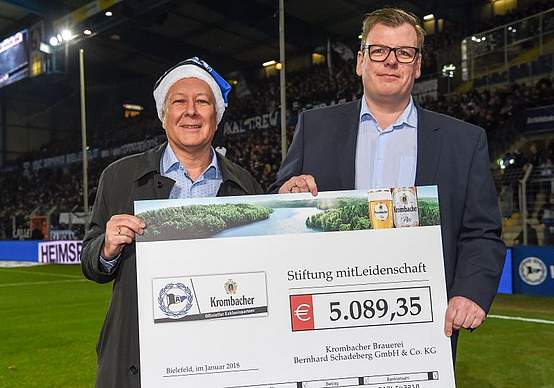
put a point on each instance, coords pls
(522, 319)
(10, 270)
(41, 283)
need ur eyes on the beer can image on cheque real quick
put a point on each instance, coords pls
(404, 202)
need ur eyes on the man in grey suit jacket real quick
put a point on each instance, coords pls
(385, 140)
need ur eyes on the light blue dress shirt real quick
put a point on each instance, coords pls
(206, 185)
(386, 157)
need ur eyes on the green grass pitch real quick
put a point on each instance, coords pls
(50, 318)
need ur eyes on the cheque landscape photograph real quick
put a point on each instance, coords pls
(199, 221)
(258, 216)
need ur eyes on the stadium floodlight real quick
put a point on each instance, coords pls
(53, 41)
(135, 107)
(269, 63)
(67, 35)
(45, 48)
(87, 32)
(108, 13)
(448, 70)
(428, 17)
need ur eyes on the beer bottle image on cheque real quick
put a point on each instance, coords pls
(380, 208)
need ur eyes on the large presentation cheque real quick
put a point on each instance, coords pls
(293, 291)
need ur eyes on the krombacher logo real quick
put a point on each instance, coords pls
(381, 209)
(231, 287)
(405, 209)
(231, 301)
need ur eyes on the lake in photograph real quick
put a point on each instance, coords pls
(281, 221)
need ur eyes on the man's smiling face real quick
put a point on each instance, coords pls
(190, 117)
(389, 80)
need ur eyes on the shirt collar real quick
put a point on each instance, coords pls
(408, 116)
(169, 163)
(213, 171)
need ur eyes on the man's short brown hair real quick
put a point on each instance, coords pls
(392, 17)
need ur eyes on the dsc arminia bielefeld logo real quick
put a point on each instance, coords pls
(175, 300)
(532, 271)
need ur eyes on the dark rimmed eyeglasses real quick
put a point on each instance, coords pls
(380, 53)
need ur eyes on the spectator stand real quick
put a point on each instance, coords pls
(527, 194)
(516, 50)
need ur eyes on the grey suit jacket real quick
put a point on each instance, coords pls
(451, 154)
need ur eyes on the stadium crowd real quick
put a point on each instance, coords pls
(500, 110)
(25, 191)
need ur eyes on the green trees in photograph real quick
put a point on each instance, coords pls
(429, 213)
(198, 221)
(351, 215)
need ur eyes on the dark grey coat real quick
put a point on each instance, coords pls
(136, 177)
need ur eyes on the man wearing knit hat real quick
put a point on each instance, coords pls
(190, 101)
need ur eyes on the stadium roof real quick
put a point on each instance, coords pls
(146, 36)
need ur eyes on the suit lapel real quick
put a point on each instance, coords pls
(346, 144)
(429, 143)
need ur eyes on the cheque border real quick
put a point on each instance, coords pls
(364, 325)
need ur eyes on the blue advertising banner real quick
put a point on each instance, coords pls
(506, 281)
(18, 250)
(540, 119)
(534, 270)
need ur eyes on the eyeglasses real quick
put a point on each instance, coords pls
(380, 53)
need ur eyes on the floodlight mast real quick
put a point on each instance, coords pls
(282, 79)
(84, 136)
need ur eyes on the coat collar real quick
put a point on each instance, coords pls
(151, 163)
(229, 170)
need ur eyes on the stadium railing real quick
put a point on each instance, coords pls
(511, 51)
(527, 205)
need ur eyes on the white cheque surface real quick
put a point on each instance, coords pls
(341, 309)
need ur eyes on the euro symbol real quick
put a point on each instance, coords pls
(302, 312)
